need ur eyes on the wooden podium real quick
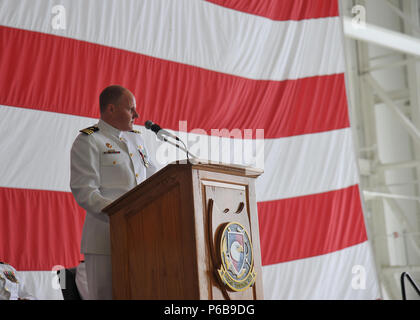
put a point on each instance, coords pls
(188, 232)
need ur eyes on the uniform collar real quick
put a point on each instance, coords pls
(103, 126)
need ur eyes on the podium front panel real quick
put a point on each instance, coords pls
(228, 201)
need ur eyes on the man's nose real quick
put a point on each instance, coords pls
(136, 115)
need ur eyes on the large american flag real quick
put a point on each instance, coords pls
(276, 65)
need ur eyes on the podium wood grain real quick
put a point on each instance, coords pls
(164, 244)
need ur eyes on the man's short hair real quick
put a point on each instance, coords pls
(110, 95)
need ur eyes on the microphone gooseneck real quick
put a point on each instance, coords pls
(161, 133)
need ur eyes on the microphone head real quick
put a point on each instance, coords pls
(152, 126)
(148, 124)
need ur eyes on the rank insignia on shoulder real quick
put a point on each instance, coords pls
(89, 130)
(135, 131)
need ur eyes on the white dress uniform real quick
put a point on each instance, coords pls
(81, 281)
(105, 164)
(11, 287)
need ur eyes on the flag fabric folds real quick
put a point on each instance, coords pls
(260, 80)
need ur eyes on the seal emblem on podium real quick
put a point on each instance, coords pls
(237, 260)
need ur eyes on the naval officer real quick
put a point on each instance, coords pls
(107, 160)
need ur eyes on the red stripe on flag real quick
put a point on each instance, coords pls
(38, 73)
(308, 226)
(39, 229)
(284, 10)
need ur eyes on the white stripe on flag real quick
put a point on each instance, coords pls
(307, 164)
(42, 285)
(234, 42)
(42, 160)
(349, 274)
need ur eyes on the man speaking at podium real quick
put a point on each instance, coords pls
(107, 160)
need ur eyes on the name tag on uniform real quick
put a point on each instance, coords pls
(111, 151)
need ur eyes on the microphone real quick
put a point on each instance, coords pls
(162, 132)
(159, 131)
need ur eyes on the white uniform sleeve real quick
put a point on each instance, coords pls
(84, 178)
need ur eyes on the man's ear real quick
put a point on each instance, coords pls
(111, 108)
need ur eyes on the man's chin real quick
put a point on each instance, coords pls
(129, 127)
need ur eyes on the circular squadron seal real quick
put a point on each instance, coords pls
(237, 268)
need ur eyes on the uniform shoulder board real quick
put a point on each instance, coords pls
(89, 130)
(135, 131)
